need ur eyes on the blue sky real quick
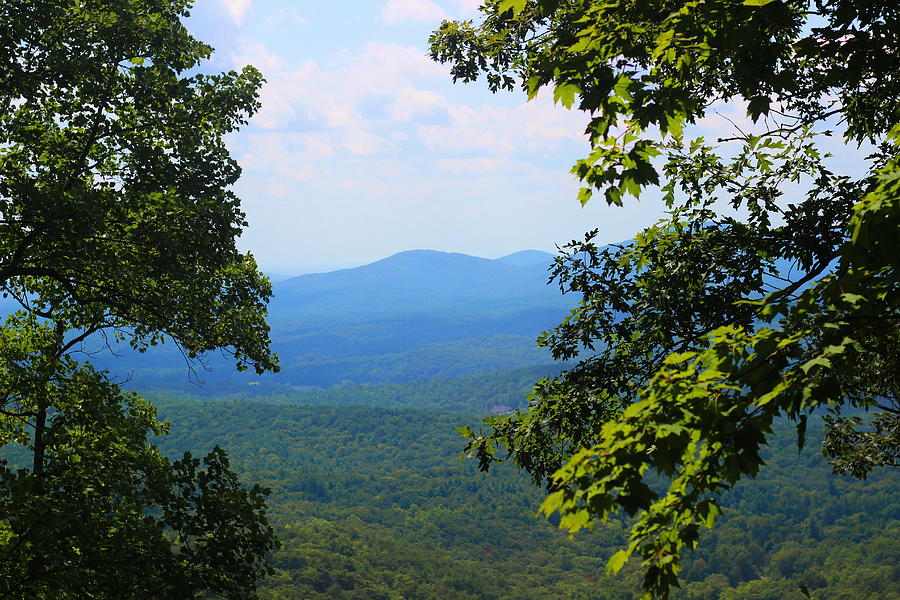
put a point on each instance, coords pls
(364, 147)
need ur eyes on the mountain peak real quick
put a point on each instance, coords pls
(420, 255)
(527, 258)
(423, 280)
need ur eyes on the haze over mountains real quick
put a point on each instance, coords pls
(419, 280)
(416, 315)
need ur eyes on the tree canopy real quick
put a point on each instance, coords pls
(770, 289)
(117, 219)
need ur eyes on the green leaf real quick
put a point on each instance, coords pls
(565, 93)
(517, 6)
(552, 503)
(109, 252)
(617, 561)
(758, 105)
(801, 432)
(775, 348)
(819, 361)
(584, 195)
(466, 432)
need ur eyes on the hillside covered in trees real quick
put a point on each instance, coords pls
(375, 502)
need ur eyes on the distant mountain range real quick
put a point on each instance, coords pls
(419, 280)
(527, 258)
(420, 314)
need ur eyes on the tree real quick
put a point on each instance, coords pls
(117, 219)
(691, 339)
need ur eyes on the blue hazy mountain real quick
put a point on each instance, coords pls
(527, 258)
(419, 280)
(416, 315)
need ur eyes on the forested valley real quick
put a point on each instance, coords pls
(376, 502)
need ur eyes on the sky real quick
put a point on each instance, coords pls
(364, 147)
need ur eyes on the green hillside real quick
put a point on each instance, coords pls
(471, 394)
(375, 503)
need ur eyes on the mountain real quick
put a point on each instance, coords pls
(525, 258)
(416, 315)
(416, 281)
(276, 277)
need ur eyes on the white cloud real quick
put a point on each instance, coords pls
(363, 143)
(383, 126)
(388, 88)
(373, 145)
(237, 9)
(340, 116)
(411, 102)
(336, 95)
(396, 11)
(534, 126)
(285, 17)
(255, 53)
(277, 108)
(469, 7)
(279, 190)
(285, 155)
(472, 166)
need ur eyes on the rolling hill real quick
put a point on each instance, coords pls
(416, 315)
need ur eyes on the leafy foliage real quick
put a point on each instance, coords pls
(101, 123)
(115, 517)
(693, 338)
(116, 218)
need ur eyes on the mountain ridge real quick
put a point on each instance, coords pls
(418, 279)
(412, 316)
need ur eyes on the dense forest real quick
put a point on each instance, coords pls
(376, 502)
(483, 394)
